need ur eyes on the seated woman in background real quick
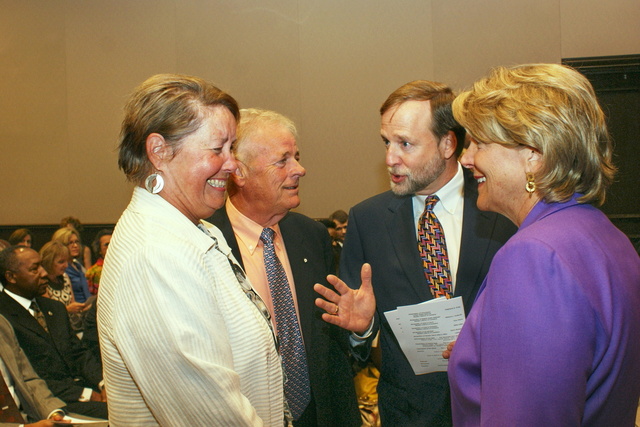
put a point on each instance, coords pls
(76, 271)
(99, 246)
(22, 236)
(72, 222)
(55, 258)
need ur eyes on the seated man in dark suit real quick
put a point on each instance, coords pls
(44, 333)
(29, 399)
(257, 224)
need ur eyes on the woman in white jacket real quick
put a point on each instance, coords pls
(184, 339)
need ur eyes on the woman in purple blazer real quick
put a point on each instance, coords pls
(554, 335)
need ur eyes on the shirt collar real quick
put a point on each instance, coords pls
(26, 303)
(247, 230)
(449, 194)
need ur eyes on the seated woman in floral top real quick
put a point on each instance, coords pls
(99, 246)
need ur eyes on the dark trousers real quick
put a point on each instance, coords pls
(90, 409)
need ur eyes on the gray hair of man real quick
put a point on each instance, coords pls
(253, 121)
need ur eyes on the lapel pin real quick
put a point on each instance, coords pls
(50, 313)
(305, 260)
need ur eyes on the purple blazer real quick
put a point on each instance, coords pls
(553, 338)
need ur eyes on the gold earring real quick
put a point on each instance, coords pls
(531, 184)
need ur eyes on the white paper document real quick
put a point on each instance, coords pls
(79, 420)
(424, 330)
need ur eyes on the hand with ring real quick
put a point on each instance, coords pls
(351, 309)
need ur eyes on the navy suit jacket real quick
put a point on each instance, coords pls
(311, 258)
(58, 356)
(382, 232)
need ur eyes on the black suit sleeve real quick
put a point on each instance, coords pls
(351, 262)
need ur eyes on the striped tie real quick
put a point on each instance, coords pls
(433, 250)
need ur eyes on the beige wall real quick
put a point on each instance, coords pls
(67, 67)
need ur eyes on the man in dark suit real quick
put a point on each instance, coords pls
(44, 333)
(261, 192)
(35, 399)
(423, 142)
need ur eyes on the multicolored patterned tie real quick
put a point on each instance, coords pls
(38, 315)
(9, 412)
(294, 359)
(433, 250)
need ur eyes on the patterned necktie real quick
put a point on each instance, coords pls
(9, 412)
(433, 250)
(38, 315)
(294, 359)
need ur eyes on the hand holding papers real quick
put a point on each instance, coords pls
(424, 330)
(80, 420)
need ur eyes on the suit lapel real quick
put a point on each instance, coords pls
(58, 333)
(299, 259)
(402, 235)
(21, 315)
(473, 250)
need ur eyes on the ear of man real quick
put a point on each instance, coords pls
(239, 175)
(10, 278)
(448, 145)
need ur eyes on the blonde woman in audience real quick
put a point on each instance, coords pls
(76, 271)
(73, 222)
(55, 258)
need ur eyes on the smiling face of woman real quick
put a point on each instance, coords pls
(501, 175)
(196, 176)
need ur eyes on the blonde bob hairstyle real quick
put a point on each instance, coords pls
(549, 108)
(50, 252)
(63, 235)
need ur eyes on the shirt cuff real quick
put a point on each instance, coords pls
(86, 395)
(360, 339)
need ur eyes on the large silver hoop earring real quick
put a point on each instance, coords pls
(531, 184)
(154, 183)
